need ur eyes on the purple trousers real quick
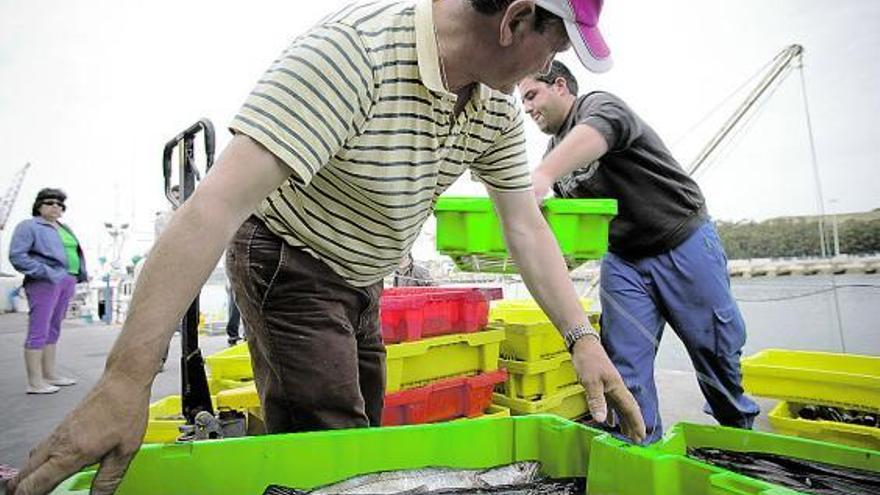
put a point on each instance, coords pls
(48, 304)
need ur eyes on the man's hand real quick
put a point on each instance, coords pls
(540, 263)
(541, 184)
(603, 382)
(106, 427)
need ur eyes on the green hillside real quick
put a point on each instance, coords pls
(859, 233)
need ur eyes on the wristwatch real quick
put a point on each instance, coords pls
(576, 333)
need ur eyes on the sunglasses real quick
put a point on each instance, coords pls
(53, 203)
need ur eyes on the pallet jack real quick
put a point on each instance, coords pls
(201, 420)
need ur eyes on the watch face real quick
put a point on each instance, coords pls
(571, 338)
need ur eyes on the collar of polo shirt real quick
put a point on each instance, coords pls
(429, 55)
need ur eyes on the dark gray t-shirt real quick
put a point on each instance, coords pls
(659, 205)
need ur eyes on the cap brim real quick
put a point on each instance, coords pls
(590, 46)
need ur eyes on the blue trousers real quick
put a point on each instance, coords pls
(689, 288)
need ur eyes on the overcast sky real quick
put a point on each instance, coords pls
(91, 90)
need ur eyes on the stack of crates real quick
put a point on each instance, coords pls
(442, 363)
(541, 376)
(802, 378)
(442, 357)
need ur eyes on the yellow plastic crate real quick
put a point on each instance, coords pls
(217, 385)
(240, 349)
(163, 421)
(846, 380)
(523, 310)
(239, 399)
(535, 341)
(531, 341)
(233, 363)
(413, 364)
(164, 418)
(784, 419)
(493, 411)
(246, 399)
(570, 403)
(408, 364)
(533, 380)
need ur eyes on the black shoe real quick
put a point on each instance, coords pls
(233, 342)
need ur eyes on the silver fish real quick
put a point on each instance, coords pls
(415, 481)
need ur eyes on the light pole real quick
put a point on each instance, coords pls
(117, 233)
(833, 201)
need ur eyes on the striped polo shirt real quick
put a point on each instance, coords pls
(357, 108)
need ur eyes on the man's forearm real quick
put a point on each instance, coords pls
(187, 252)
(582, 146)
(173, 274)
(544, 272)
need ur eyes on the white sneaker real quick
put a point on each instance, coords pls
(61, 381)
(47, 389)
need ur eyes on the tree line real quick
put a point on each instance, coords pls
(798, 237)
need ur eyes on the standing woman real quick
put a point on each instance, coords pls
(51, 259)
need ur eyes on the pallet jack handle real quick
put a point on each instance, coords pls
(195, 396)
(186, 138)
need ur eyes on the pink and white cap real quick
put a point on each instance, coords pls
(582, 23)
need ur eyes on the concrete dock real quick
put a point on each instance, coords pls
(767, 267)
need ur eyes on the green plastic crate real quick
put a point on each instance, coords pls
(580, 225)
(687, 435)
(468, 225)
(469, 231)
(826, 378)
(533, 380)
(785, 420)
(492, 263)
(618, 468)
(306, 460)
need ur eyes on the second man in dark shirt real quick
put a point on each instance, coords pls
(665, 262)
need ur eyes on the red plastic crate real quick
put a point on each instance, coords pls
(464, 396)
(413, 313)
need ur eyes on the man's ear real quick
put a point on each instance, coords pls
(560, 84)
(517, 18)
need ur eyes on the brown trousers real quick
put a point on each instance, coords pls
(314, 339)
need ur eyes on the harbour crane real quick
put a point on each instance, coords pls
(8, 201)
(781, 65)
